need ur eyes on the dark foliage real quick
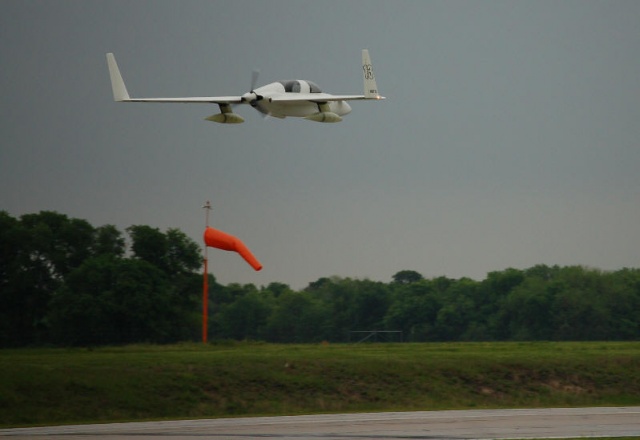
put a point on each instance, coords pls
(65, 282)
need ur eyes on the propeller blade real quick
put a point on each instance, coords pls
(254, 78)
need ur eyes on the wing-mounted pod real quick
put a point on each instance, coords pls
(226, 116)
(324, 114)
(324, 117)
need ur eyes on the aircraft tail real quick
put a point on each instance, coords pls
(370, 86)
(120, 93)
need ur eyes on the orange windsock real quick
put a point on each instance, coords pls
(222, 240)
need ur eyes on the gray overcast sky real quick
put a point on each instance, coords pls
(510, 135)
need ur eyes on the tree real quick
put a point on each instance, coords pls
(63, 280)
(149, 244)
(298, 317)
(42, 249)
(182, 253)
(108, 241)
(116, 301)
(318, 285)
(623, 303)
(56, 242)
(174, 253)
(581, 308)
(370, 304)
(15, 321)
(337, 294)
(414, 309)
(524, 314)
(278, 289)
(458, 312)
(407, 277)
(246, 318)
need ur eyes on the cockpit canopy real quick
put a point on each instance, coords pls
(299, 86)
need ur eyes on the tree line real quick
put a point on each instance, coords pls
(66, 282)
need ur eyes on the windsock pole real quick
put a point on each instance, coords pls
(205, 305)
(205, 282)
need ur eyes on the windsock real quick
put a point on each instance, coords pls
(222, 240)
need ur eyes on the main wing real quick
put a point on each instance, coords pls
(120, 93)
(317, 97)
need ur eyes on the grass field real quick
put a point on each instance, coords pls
(55, 386)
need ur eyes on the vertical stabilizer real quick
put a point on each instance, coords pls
(117, 83)
(370, 87)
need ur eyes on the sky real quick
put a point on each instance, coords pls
(510, 135)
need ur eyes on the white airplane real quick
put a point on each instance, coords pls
(294, 98)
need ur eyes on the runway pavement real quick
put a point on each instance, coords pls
(474, 424)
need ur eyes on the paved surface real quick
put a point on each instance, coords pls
(477, 424)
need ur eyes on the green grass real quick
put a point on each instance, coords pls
(53, 386)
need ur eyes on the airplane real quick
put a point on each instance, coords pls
(280, 99)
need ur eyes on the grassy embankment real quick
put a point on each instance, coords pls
(52, 386)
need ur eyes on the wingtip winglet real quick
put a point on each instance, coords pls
(370, 86)
(120, 93)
